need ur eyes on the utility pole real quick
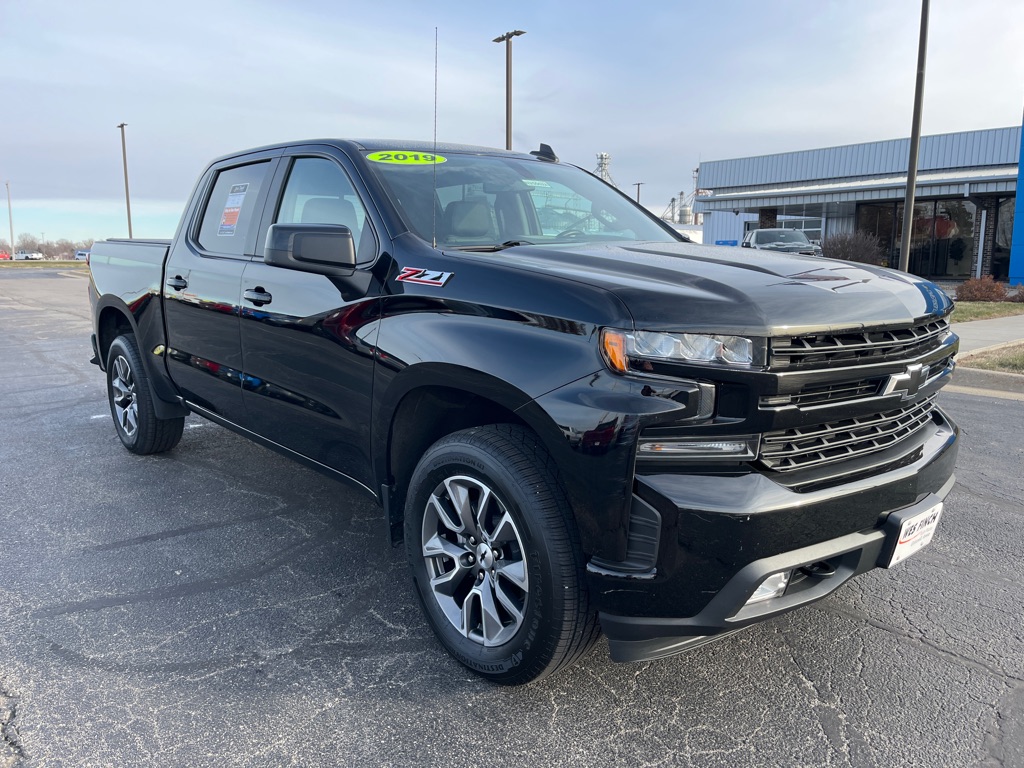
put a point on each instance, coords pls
(10, 215)
(638, 184)
(507, 40)
(915, 143)
(127, 197)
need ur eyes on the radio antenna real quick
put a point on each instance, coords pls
(433, 202)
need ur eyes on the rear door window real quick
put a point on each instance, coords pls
(230, 209)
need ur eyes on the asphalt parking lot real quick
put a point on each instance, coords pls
(221, 606)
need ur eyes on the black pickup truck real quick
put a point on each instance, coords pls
(576, 421)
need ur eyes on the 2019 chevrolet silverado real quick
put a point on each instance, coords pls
(577, 422)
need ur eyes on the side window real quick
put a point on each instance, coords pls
(319, 192)
(230, 209)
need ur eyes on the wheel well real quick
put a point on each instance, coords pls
(424, 416)
(112, 323)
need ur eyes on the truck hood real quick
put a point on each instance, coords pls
(668, 286)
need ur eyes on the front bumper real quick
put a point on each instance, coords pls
(719, 536)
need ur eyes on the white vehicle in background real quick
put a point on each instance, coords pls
(28, 256)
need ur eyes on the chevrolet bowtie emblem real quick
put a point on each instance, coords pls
(909, 382)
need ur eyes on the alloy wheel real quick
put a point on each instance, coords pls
(126, 407)
(475, 563)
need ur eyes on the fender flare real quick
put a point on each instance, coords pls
(166, 400)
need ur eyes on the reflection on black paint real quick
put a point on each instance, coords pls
(139, 305)
(344, 324)
(340, 325)
(221, 307)
(406, 304)
(249, 383)
(260, 387)
(217, 370)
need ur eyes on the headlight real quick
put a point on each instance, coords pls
(622, 347)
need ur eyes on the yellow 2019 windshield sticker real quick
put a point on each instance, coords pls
(405, 158)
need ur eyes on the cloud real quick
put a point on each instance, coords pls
(659, 87)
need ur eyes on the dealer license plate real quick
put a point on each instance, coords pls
(915, 534)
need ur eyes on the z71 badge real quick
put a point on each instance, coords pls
(424, 276)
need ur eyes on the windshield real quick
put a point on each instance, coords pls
(483, 202)
(782, 236)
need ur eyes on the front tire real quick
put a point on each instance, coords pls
(495, 555)
(131, 402)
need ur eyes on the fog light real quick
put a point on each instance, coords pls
(741, 448)
(773, 586)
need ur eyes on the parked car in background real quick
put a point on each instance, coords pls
(783, 240)
(28, 256)
(5, 256)
(81, 255)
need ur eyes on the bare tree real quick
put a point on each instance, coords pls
(64, 248)
(27, 243)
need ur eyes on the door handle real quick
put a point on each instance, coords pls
(178, 283)
(257, 296)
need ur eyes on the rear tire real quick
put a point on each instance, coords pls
(131, 402)
(495, 555)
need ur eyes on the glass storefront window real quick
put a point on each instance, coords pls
(954, 247)
(921, 232)
(880, 220)
(943, 240)
(1004, 234)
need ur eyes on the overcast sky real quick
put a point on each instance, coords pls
(659, 86)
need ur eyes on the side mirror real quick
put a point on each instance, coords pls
(325, 249)
(746, 244)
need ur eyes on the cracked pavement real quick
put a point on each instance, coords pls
(222, 606)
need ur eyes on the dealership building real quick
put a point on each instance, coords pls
(964, 207)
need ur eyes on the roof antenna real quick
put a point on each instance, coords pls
(433, 202)
(545, 153)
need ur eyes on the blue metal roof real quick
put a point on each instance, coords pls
(949, 183)
(968, 149)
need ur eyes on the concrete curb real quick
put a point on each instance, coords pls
(976, 378)
(966, 356)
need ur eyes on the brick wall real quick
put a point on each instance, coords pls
(768, 218)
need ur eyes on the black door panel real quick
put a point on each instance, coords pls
(204, 356)
(308, 361)
(202, 285)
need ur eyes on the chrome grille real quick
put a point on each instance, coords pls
(870, 346)
(820, 444)
(827, 393)
(842, 392)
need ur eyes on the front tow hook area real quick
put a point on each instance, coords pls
(820, 570)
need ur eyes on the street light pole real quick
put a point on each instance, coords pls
(10, 215)
(915, 143)
(507, 40)
(638, 184)
(127, 197)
